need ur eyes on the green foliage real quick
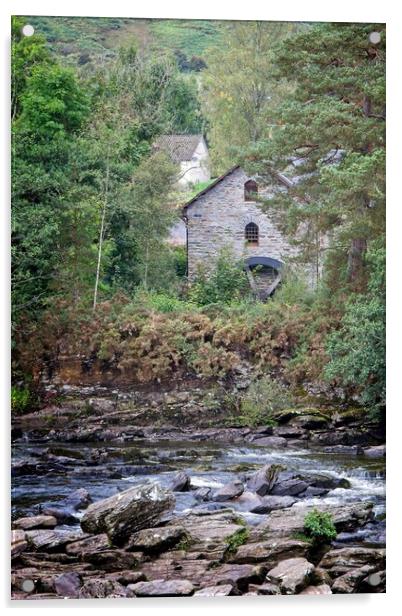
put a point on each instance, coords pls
(238, 538)
(20, 399)
(263, 399)
(227, 282)
(357, 349)
(319, 526)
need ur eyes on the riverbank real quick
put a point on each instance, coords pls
(234, 498)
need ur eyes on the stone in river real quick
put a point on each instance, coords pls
(181, 482)
(264, 479)
(375, 452)
(292, 575)
(79, 499)
(229, 491)
(271, 503)
(128, 512)
(274, 442)
(162, 588)
(35, 521)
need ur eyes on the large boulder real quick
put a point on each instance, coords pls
(272, 503)
(128, 512)
(292, 575)
(264, 479)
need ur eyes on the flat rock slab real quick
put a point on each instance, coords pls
(162, 588)
(35, 521)
(18, 543)
(338, 562)
(94, 543)
(292, 575)
(286, 522)
(48, 540)
(156, 539)
(270, 552)
(210, 528)
(128, 512)
(223, 590)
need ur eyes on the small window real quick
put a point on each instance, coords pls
(251, 233)
(250, 190)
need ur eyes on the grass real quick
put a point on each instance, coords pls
(236, 540)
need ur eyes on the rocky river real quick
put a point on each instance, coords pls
(138, 511)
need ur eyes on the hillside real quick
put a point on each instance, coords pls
(81, 40)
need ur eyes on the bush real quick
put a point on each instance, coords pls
(226, 283)
(20, 399)
(263, 399)
(319, 526)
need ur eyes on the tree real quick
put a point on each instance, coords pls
(357, 349)
(333, 130)
(239, 92)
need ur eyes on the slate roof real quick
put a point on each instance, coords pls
(179, 147)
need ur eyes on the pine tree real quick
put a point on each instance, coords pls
(333, 127)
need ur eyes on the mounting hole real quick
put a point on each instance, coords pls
(374, 579)
(28, 30)
(28, 585)
(375, 38)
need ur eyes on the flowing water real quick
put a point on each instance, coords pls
(104, 471)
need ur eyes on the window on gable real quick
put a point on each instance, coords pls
(251, 233)
(250, 190)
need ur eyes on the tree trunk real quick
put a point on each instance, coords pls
(356, 263)
(101, 235)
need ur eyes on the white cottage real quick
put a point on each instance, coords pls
(191, 153)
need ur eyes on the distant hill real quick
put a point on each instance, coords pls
(81, 40)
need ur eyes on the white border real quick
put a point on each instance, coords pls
(292, 10)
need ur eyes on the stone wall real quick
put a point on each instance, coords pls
(218, 220)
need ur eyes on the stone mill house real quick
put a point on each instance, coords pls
(226, 215)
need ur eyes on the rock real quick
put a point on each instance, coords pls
(113, 560)
(373, 583)
(181, 482)
(79, 499)
(309, 422)
(286, 522)
(311, 492)
(292, 575)
(203, 494)
(162, 588)
(48, 540)
(128, 512)
(339, 562)
(270, 552)
(35, 521)
(322, 589)
(272, 503)
(100, 589)
(94, 543)
(208, 528)
(374, 452)
(127, 577)
(289, 487)
(156, 539)
(229, 491)
(223, 590)
(248, 501)
(238, 575)
(293, 432)
(68, 584)
(18, 543)
(63, 516)
(264, 479)
(264, 589)
(348, 582)
(273, 442)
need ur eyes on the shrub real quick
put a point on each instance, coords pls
(20, 399)
(263, 399)
(319, 526)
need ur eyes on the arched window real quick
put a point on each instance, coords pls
(250, 190)
(251, 233)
